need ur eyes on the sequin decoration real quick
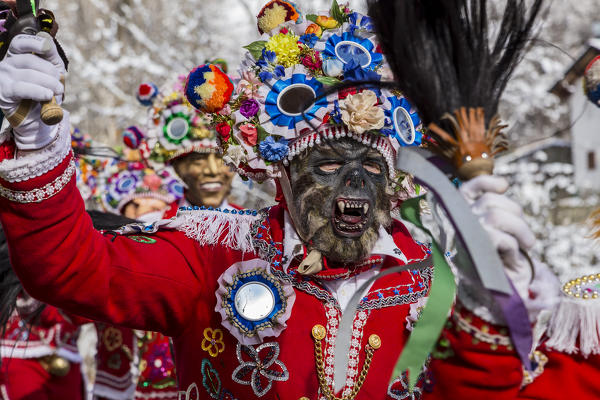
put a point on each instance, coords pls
(586, 287)
(259, 367)
(213, 341)
(210, 378)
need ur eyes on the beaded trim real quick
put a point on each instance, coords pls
(539, 361)
(379, 143)
(41, 194)
(481, 334)
(586, 287)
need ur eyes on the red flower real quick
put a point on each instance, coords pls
(284, 31)
(224, 130)
(313, 61)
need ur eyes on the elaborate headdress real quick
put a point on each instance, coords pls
(282, 104)
(90, 161)
(173, 128)
(124, 181)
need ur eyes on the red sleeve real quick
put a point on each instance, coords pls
(474, 360)
(61, 260)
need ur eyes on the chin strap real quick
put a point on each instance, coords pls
(313, 262)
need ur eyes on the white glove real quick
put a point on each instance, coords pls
(31, 70)
(503, 219)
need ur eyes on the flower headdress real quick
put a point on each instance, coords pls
(173, 128)
(283, 104)
(124, 181)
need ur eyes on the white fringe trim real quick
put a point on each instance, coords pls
(38, 163)
(216, 227)
(575, 327)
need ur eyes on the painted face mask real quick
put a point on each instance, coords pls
(208, 180)
(340, 195)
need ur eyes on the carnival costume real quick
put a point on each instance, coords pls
(254, 309)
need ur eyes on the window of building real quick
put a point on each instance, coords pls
(591, 160)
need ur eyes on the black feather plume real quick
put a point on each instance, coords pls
(445, 55)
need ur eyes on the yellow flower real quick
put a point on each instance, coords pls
(360, 112)
(213, 341)
(285, 47)
(314, 28)
(327, 22)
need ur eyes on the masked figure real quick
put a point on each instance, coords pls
(179, 136)
(254, 299)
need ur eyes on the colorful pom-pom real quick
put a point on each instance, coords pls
(208, 88)
(275, 13)
(146, 93)
(592, 81)
(219, 62)
(132, 137)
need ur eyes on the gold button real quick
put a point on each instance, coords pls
(319, 332)
(375, 341)
(303, 398)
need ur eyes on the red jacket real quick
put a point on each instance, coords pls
(167, 282)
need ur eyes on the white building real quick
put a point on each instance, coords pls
(585, 121)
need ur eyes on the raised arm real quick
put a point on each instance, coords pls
(138, 282)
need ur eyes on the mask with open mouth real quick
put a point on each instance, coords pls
(340, 194)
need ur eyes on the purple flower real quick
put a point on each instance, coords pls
(249, 108)
(272, 150)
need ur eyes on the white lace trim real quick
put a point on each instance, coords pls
(38, 163)
(40, 194)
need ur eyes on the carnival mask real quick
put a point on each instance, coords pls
(340, 194)
(208, 180)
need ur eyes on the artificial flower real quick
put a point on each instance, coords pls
(273, 151)
(333, 67)
(226, 111)
(309, 39)
(249, 108)
(286, 48)
(314, 29)
(327, 22)
(234, 155)
(274, 14)
(360, 112)
(224, 130)
(248, 85)
(277, 72)
(249, 134)
(353, 71)
(312, 61)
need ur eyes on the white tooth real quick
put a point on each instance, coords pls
(342, 206)
(366, 207)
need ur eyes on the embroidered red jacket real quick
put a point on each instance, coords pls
(167, 281)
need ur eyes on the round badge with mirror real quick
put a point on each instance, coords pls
(252, 302)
